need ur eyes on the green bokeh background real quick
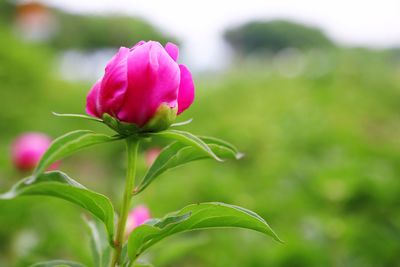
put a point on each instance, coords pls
(322, 162)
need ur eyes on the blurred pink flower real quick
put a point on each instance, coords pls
(28, 148)
(136, 217)
(142, 82)
(151, 154)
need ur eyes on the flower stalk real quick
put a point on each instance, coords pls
(132, 144)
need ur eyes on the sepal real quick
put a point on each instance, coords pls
(162, 119)
(123, 128)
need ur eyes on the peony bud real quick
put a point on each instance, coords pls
(27, 150)
(144, 86)
(136, 217)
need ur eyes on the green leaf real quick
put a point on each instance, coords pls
(223, 143)
(178, 154)
(101, 249)
(198, 216)
(188, 139)
(58, 184)
(58, 263)
(79, 116)
(68, 144)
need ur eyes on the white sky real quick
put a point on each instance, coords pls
(199, 24)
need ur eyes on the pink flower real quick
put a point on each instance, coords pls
(140, 81)
(136, 217)
(27, 150)
(151, 154)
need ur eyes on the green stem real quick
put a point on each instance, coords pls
(132, 148)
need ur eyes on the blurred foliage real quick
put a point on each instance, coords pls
(91, 32)
(6, 11)
(262, 36)
(322, 162)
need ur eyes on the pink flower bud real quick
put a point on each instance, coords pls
(151, 154)
(136, 217)
(139, 83)
(27, 150)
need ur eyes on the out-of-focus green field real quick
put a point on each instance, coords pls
(322, 163)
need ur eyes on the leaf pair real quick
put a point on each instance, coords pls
(195, 217)
(192, 217)
(187, 148)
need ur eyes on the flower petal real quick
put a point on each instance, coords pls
(91, 100)
(153, 79)
(172, 50)
(186, 89)
(138, 44)
(114, 84)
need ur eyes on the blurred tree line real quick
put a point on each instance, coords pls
(73, 31)
(262, 36)
(88, 32)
